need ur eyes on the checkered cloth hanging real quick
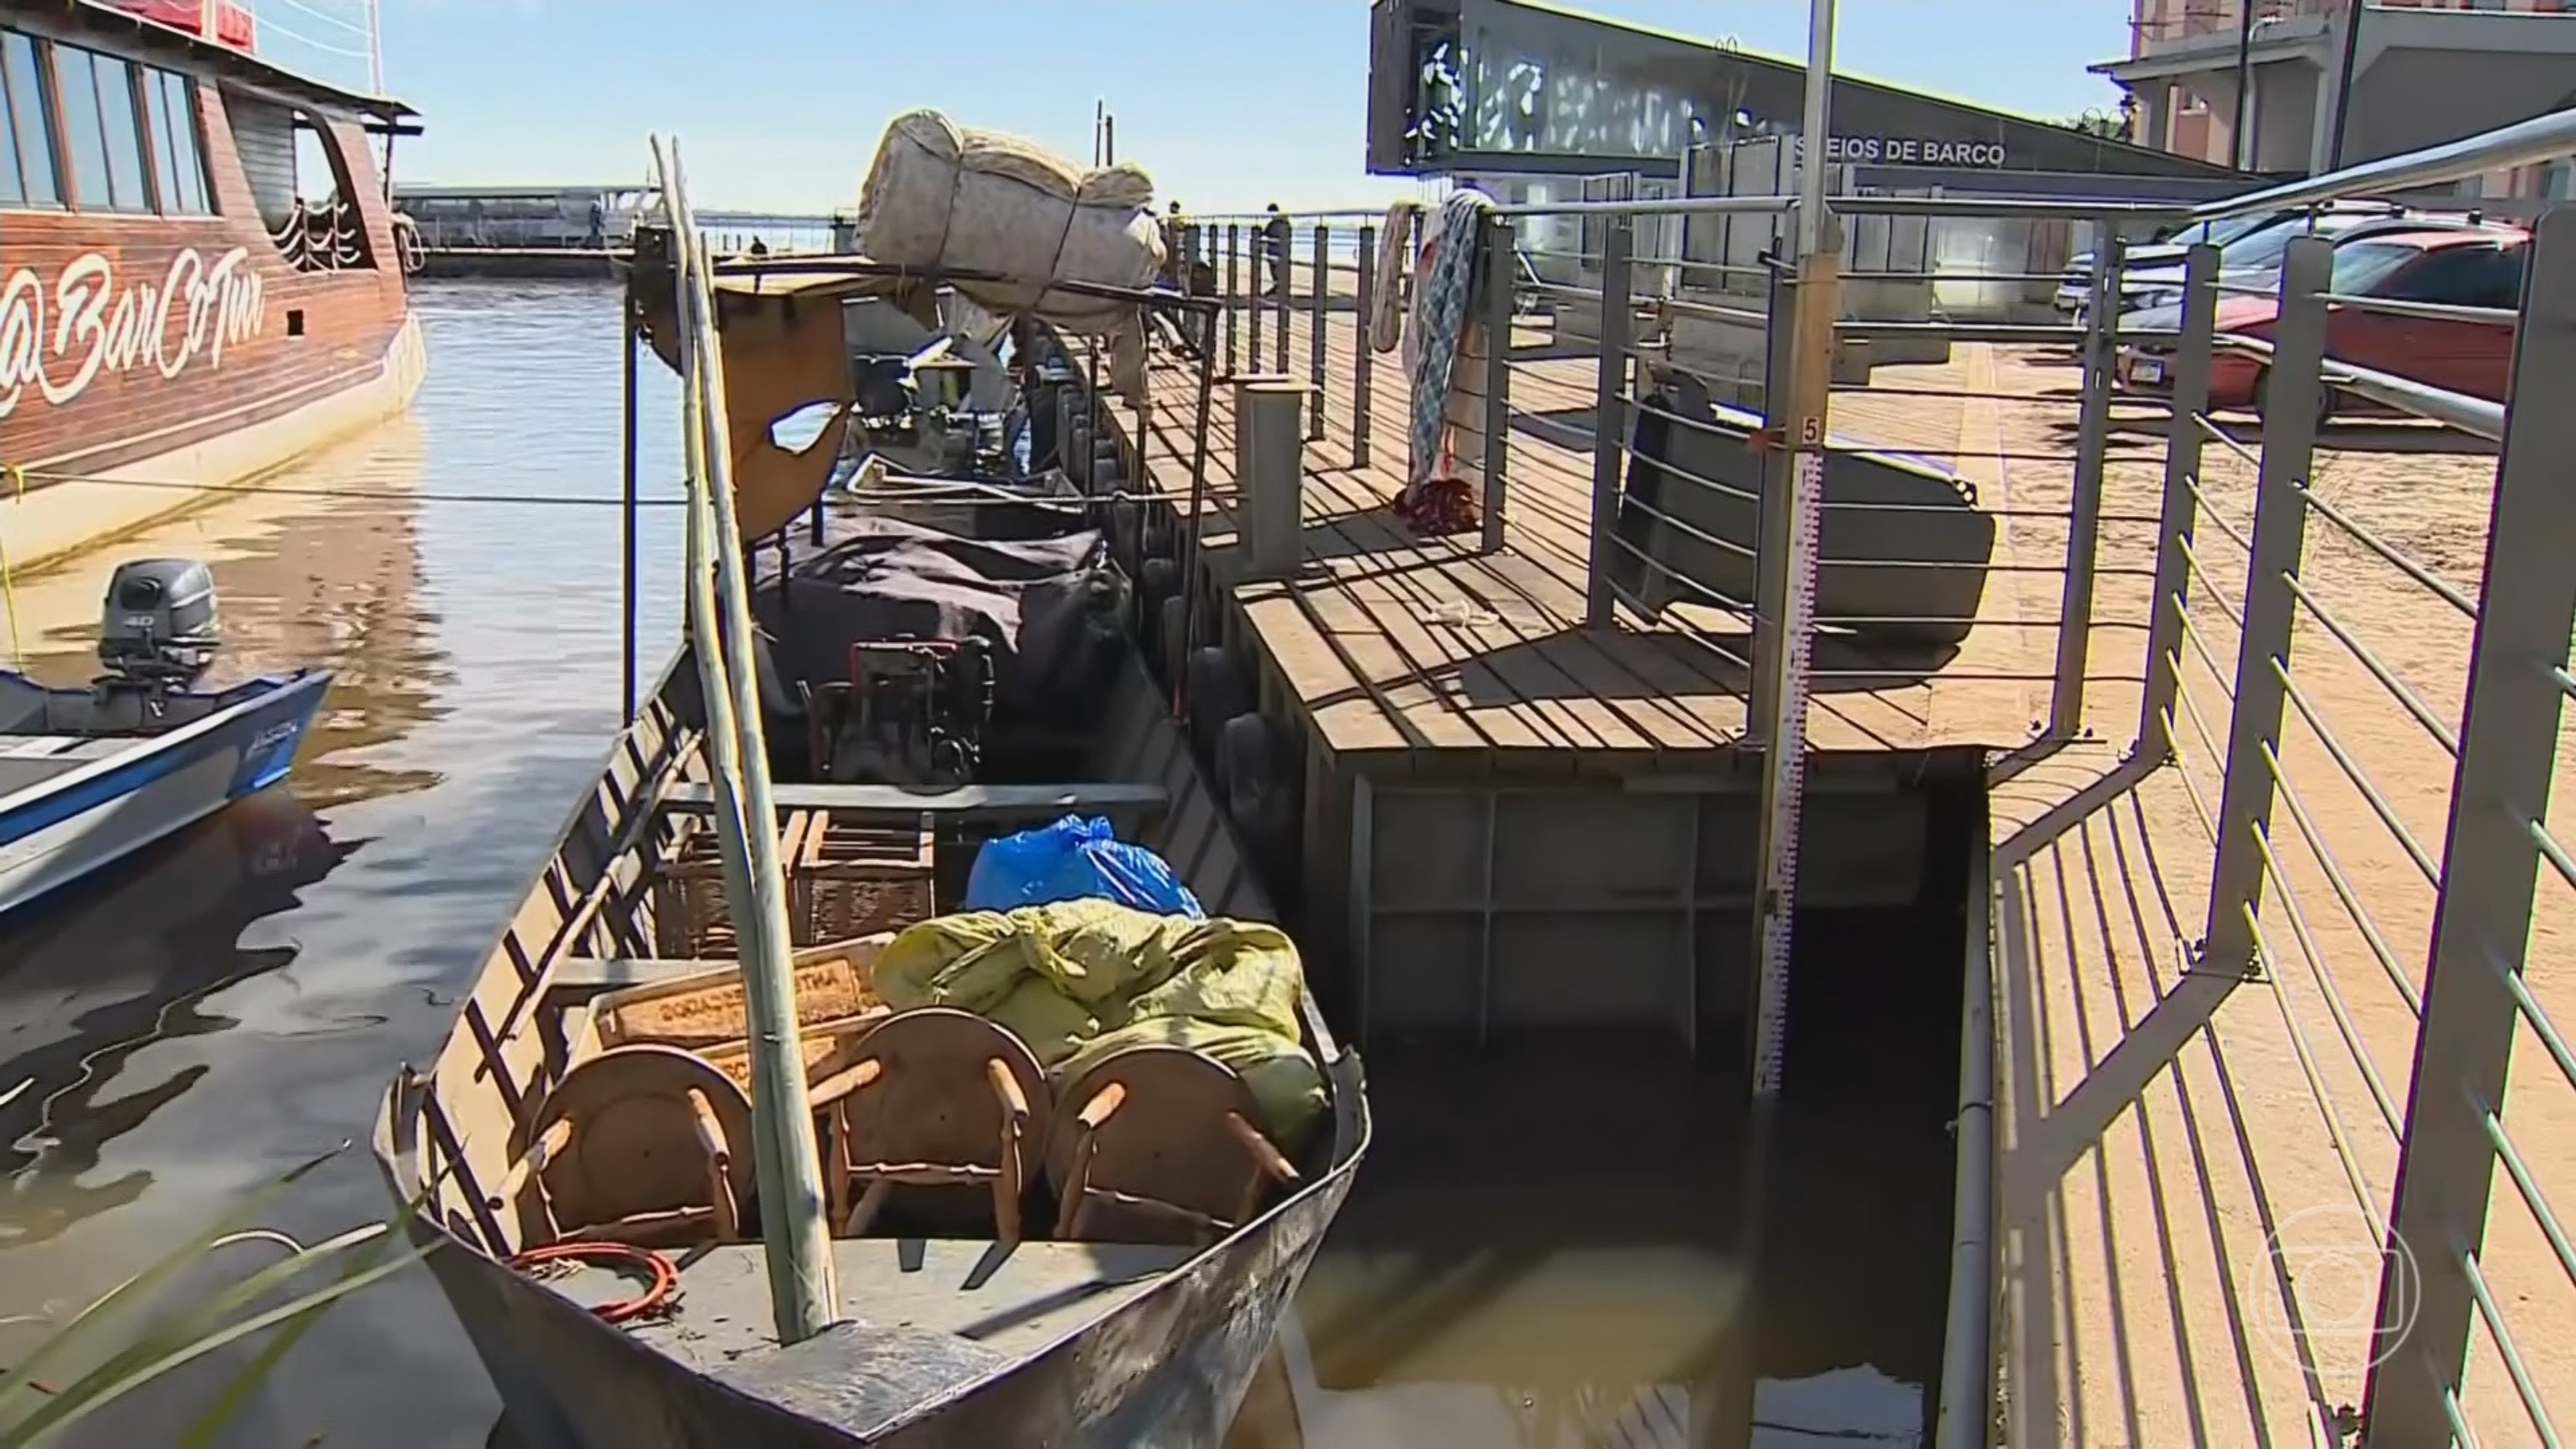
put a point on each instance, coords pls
(1440, 312)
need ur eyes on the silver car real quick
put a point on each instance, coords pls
(2157, 266)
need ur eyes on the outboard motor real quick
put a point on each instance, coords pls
(159, 631)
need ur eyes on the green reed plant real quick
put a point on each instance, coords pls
(35, 1411)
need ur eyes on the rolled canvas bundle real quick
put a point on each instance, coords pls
(940, 195)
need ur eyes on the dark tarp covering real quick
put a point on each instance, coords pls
(1046, 608)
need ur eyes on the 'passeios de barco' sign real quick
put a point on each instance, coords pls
(1914, 151)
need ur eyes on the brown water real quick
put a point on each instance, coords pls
(235, 1002)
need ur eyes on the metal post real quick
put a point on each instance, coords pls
(2482, 916)
(1258, 263)
(2084, 521)
(2343, 82)
(2244, 87)
(1498, 375)
(1771, 515)
(2183, 437)
(1609, 423)
(1362, 394)
(2280, 532)
(632, 505)
(1319, 307)
(1784, 729)
(1815, 124)
(1283, 293)
(1233, 288)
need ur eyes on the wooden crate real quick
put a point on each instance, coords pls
(710, 1008)
(827, 1048)
(847, 875)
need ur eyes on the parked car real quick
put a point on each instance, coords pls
(2253, 263)
(2478, 267)
(2144, 264)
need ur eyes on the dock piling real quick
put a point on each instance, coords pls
(1270, 459)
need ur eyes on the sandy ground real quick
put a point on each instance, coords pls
(2163, 1132)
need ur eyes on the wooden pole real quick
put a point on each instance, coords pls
(793, 1229)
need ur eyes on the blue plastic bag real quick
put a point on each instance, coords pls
(1074, 859)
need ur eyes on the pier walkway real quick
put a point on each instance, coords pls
(2223, 1079)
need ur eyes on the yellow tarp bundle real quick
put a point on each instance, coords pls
(1079, 979)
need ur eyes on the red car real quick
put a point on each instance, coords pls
(2479, 268)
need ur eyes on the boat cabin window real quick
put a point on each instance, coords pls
(178, 161)
(30, 158)
(104, 133)
(300, 182)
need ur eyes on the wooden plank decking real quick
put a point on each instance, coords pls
(1392, 642)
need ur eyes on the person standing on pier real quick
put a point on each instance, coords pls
(597, 240)
(1275, 237)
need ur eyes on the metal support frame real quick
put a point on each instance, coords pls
(1319, 306)
(1609, 424)
(2490, 866)
(1500, 240)
(1362, 394)
(2178, 513)
(2290, 397)
(1784, 731)
(1233, 288)
(1771, 514)
(2084, 523)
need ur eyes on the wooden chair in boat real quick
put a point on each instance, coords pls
(935, 1097)
(1162, 1137)
(644, 1144)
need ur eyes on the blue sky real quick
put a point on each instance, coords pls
(1228, 103)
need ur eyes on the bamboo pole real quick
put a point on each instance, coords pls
(793, 1229)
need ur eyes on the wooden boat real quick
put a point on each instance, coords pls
(955, 1340)
(181, 308)
(88, 776)
(1082, 1231)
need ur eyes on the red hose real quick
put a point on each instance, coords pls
(665, 1277)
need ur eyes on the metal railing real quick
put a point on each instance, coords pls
(2381, 878)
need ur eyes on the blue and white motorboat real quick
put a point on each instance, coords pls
(90, 775)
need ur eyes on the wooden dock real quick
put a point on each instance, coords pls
(1398, 644)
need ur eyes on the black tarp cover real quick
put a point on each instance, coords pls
(1046, 608)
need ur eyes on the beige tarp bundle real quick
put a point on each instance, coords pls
(938, 198)
(945, 197)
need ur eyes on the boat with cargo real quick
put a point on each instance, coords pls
(1076, 1127)
(201, 278)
